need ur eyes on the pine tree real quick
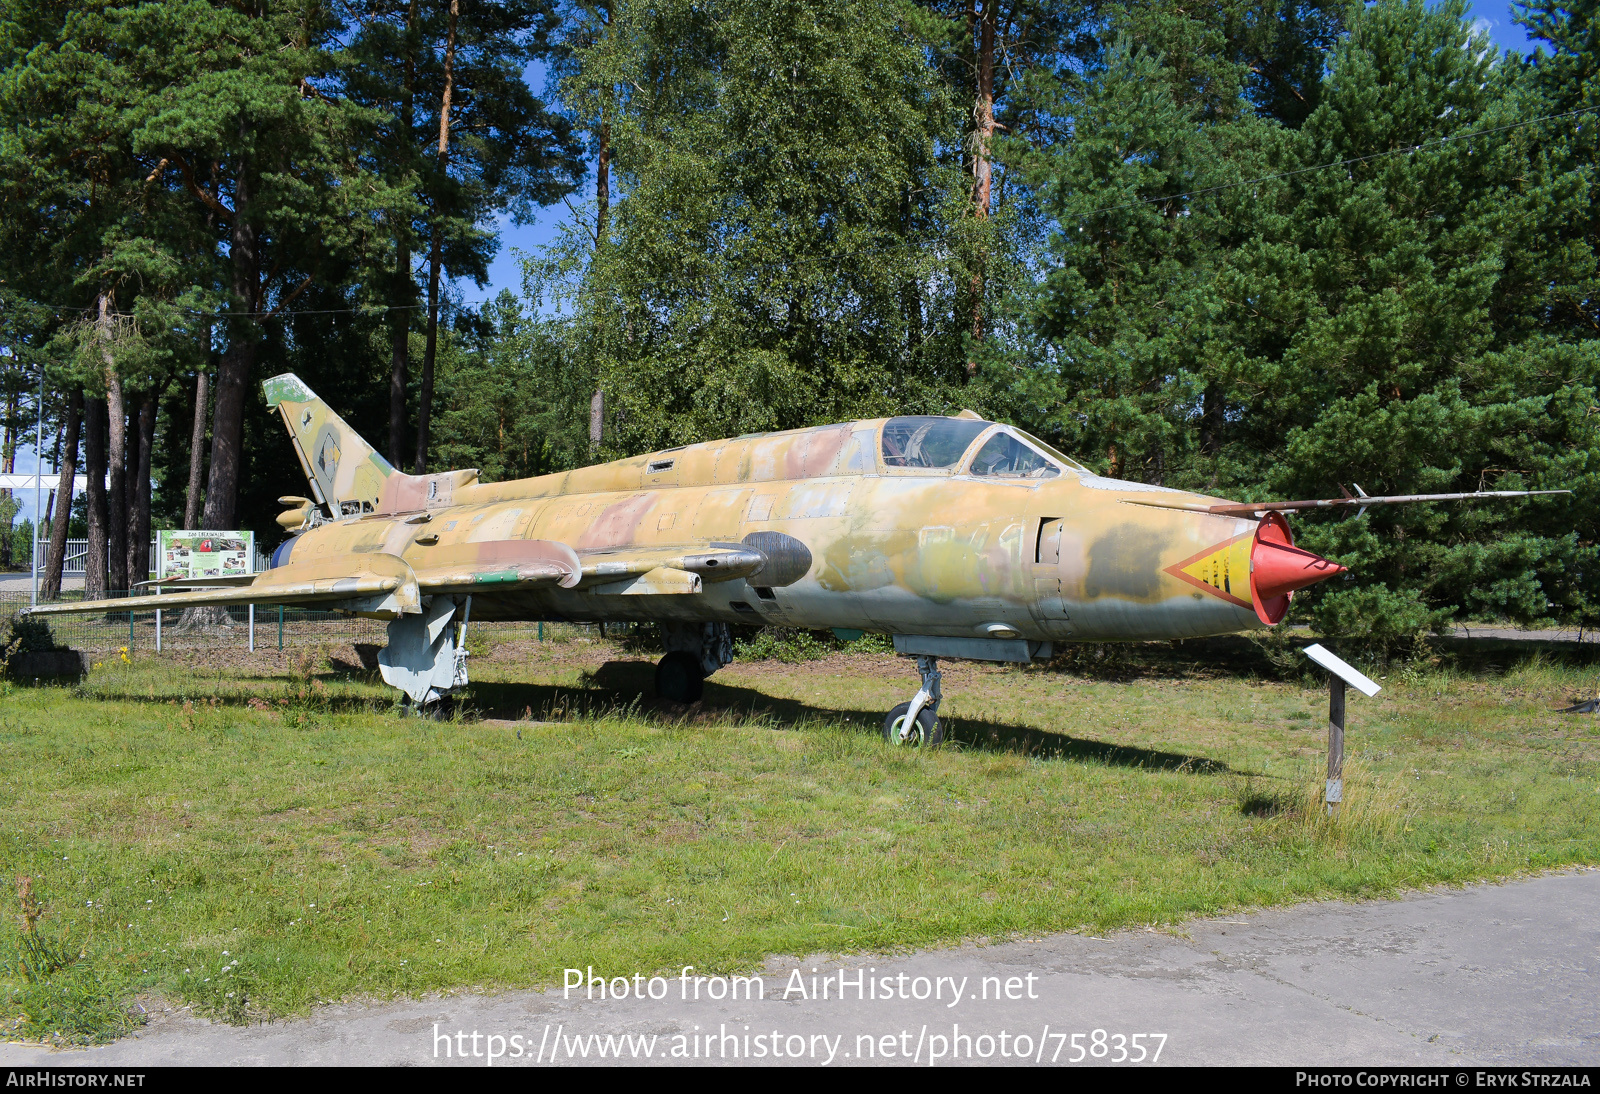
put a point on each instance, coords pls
(1418, 295)
(778, 222)
(986, 52)
(93, 237)
(469, 139)
(1124, 333)
(147, 141)
(1261, 306)
(511, 403)
(1565, 75)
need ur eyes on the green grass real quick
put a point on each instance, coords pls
(258, 839)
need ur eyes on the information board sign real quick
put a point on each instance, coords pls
(205, 554)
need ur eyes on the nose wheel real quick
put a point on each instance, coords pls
(916, 723)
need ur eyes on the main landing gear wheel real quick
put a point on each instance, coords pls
(927, 731)
(680, 678)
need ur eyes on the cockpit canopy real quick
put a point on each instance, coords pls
(930, 442)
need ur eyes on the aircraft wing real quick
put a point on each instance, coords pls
(373, 577)
(498, 566)
(388, 584)
(503, 565)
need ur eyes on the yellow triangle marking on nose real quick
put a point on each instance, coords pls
(1223, 569)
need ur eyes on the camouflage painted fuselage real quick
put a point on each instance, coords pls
(897, 550)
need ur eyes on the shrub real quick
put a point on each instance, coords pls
(28, 635)
(785, 644)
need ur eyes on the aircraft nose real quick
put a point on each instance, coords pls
(1278, 569)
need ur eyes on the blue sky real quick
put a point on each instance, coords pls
(1496, 19)
(506, 271)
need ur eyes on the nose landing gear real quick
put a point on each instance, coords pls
(916, 723)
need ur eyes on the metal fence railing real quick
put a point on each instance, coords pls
(193, 628)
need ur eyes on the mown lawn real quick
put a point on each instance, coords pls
(255, 839)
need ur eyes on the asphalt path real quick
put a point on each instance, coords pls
(1489, 974)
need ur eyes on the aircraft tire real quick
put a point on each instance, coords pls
(928, 731)
(680, 678)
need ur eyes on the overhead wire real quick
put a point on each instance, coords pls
(373, 310)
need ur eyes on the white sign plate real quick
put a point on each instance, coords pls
(1342, 670)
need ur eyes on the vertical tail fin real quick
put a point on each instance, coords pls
(346, 473)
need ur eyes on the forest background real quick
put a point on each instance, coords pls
(1253, 249)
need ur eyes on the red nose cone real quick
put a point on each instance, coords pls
(1278, 568)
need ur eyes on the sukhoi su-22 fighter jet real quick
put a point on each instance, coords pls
(961, 538)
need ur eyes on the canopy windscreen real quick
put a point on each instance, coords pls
(1006, 456)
